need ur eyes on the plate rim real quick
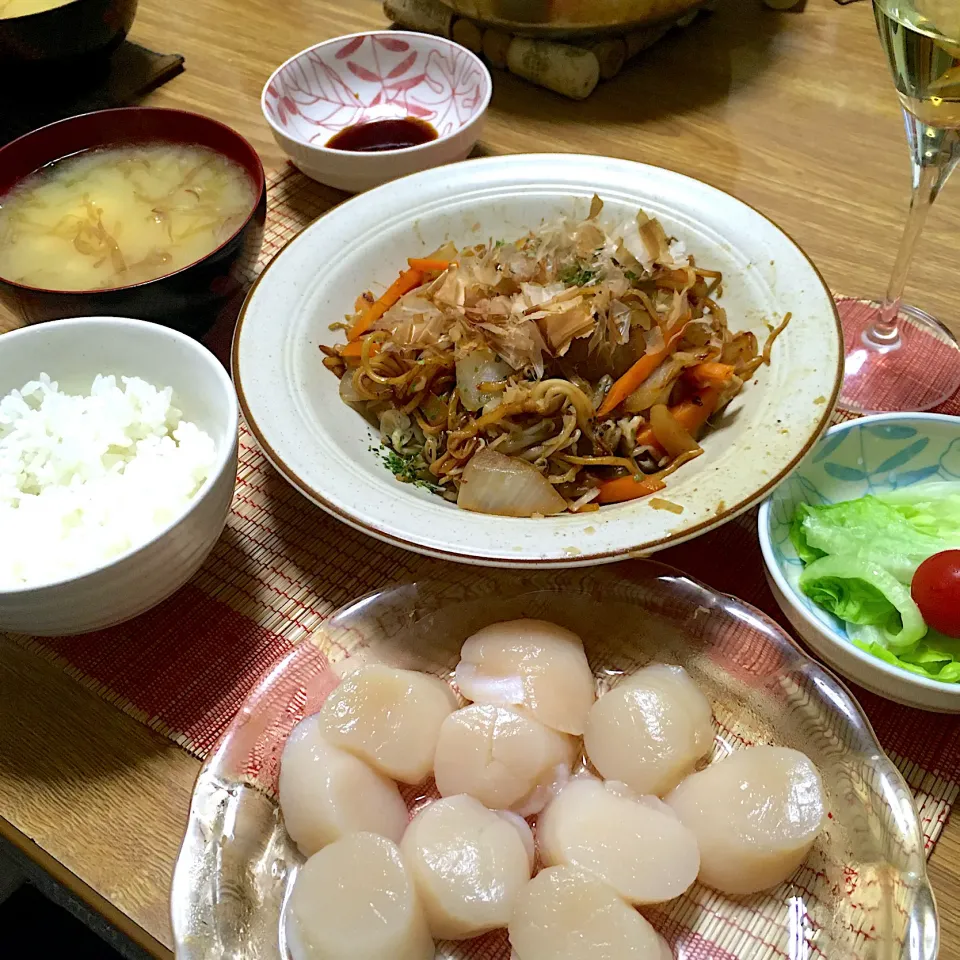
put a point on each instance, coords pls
(505, 561)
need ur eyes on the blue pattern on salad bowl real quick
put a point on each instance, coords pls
(872, 455)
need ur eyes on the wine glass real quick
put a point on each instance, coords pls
(898, 357)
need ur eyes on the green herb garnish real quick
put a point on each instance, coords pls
(578, 276)
(408, 469)
(631, 276)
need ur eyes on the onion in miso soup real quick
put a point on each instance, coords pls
(120, 216)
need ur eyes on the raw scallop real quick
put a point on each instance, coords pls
(468, 865)
(635, 844)
(531, 664)
(650, 730)
(390, 718)
(504, 758)
(355, 900)
(566, 914)
(327, 793)
(755, 814)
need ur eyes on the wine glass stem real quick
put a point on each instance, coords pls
(885, 332)
(933, 155)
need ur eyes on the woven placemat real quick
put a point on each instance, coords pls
(283, 565)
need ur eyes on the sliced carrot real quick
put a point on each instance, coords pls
(628, 488)
(407, 281)
(354, 350)
(691, 414)
(428, 264)
(639, 372)
(709, 374)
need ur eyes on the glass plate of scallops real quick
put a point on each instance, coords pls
(551, 766)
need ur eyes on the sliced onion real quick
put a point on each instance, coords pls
(348, 390)
(434, 409)
(656, 387)
(670, 434)
(507, 487)
(447, 252)
(520, 440)
(479, 366)
(741, 349)
(620, 313)
(654, 340)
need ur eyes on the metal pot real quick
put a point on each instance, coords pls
(559, 18)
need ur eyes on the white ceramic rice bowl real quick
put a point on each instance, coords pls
(72, 352)
(323, 448)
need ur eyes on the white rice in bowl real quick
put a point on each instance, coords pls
(86, 478)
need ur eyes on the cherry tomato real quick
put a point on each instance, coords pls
(936, 591)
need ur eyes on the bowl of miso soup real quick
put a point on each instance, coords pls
(68, 35)
(139, 212)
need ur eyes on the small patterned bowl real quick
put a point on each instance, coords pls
(862, 894)
(882, 452)
(364, 77)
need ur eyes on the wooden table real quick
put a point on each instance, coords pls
(792, 112)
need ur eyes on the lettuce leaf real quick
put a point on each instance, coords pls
(931, 661)
(931, 508)
(859, 591)
(798, 535)
(872, 528)
(860, 557)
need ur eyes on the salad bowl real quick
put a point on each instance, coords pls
(875, 455)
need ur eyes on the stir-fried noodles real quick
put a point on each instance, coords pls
(572, 368)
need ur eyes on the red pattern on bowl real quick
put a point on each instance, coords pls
(376, 76)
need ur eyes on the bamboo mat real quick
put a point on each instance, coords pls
(283, 565)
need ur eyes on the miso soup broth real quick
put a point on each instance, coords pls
(120, 216)
(23, 8)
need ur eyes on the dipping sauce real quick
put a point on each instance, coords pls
(121, 216)
(380, 135)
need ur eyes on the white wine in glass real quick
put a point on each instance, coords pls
(898, 357)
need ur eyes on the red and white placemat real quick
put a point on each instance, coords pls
(283, 565)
